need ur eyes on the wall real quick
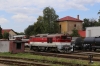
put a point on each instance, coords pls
(71, 26)
(63, 26)
(13, 48)
(12, 34)
(92, 31)
(68, 26)
(4, 46)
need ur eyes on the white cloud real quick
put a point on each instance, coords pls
(36, 6)
(3, 20)
(23, 18)
(24, 10)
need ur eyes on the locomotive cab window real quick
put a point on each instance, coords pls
(63, 37)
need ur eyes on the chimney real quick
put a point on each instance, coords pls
(77, 16)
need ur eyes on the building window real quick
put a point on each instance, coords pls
(74, 25)
(60, 28)
(18, 45)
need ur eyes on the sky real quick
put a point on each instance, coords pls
(19, 14)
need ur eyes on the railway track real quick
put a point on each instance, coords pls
(78, 55)
(20, 62)
(31, 62)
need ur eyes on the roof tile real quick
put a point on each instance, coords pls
(69, 18)
(6, 30)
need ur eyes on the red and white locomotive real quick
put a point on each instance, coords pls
(51, 42)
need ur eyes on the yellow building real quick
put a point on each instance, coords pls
(68, 23)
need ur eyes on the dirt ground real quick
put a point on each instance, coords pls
(3, 65)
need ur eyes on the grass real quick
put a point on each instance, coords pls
(40, 58)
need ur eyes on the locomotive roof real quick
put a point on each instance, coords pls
(47, 35)
(53, 35)
(19, 36)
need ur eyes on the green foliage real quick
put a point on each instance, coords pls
(45, 24)
(50, 16)
(6, 35)
(21, 33)
(48, 58)
(99, 12)
(1, 33)
(39, 26)
(29, 31)
(85, 24)
(90, 23)
(75, 33)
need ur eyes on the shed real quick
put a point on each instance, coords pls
(17, 46)
(13, 46)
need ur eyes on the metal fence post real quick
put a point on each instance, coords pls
(90, 56)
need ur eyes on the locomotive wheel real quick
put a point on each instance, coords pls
(31, 48)
(78, 42)
(34, 48)
(50, 49)
(95, 49)
(42, 48)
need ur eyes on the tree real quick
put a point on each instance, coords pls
(38, 26)
(90, 23)
(1, 33)
(21, 33)
(94, 22)
(86, 23)
(29, 30)
(6, 35)
(99, 12)
(49, 17)
(75, 33)
(99, 16)
(44, 24)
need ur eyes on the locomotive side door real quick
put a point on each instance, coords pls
(49, 40)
